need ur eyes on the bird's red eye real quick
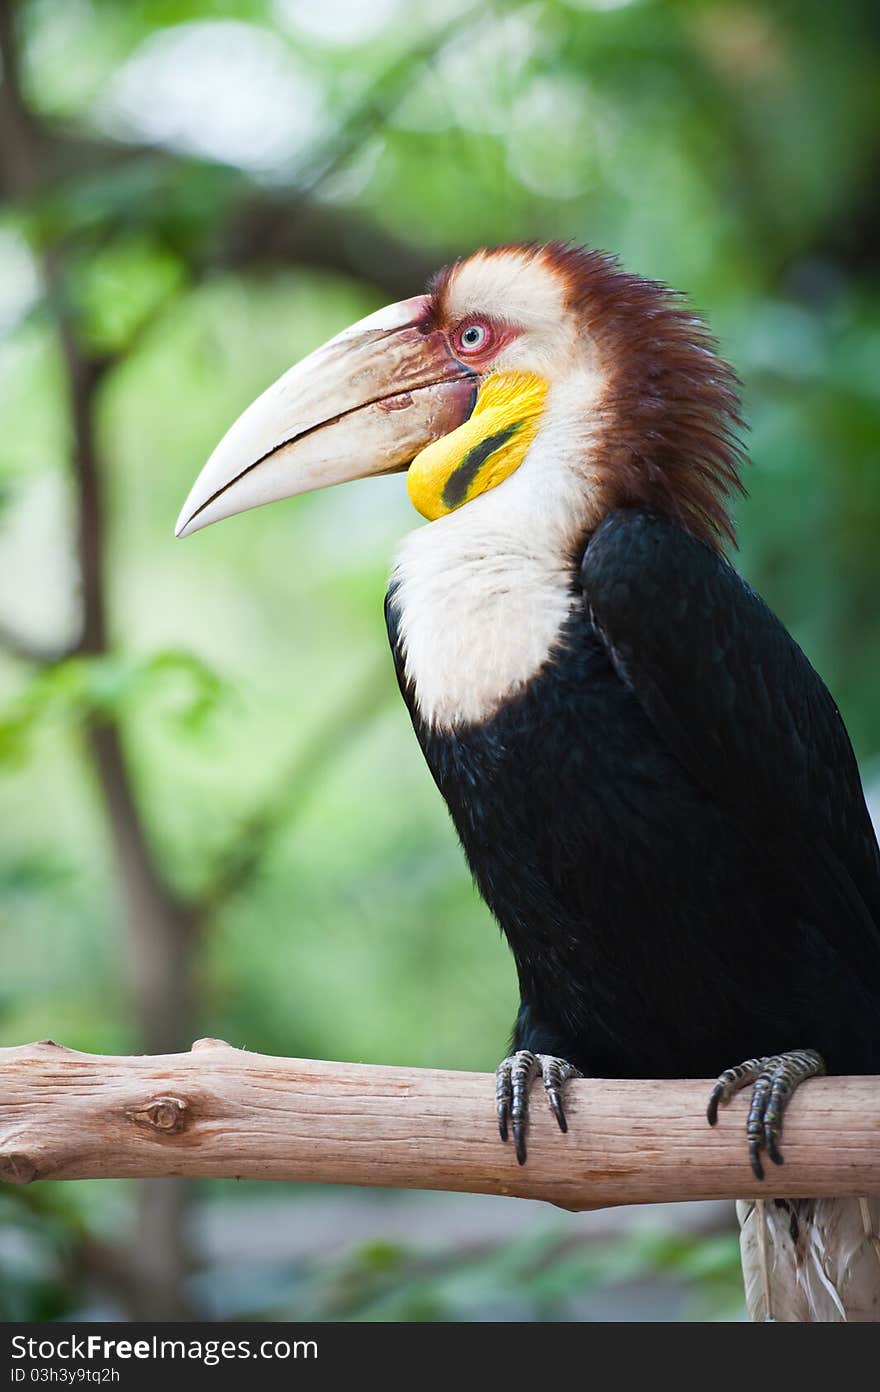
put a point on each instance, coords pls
(472, 337)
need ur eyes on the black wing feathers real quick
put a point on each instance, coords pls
(738, 704)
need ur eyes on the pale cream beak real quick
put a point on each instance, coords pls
(365, 403)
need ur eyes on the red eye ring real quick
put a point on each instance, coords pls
(473, 337)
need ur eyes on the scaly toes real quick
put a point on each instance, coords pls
(513, 1079)
(755, 1121)
(556, 1073)
(775, 1079)
(525, 1066)
(787, 1072)
(730, 1081)
(503, 1096)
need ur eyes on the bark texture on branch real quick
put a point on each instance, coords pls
(220, 1112)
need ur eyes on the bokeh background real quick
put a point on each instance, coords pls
(215, 817)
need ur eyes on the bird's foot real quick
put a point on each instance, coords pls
(775, 1079)
(513, 1078)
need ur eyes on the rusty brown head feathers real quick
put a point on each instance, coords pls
(667, 418)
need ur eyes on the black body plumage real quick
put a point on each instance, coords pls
(669, 826)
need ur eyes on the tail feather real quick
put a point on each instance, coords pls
(811, 1260)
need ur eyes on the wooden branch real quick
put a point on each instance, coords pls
(220, 1112)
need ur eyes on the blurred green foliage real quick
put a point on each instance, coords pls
(531, 1278)
(229, 183)
(534, 1277)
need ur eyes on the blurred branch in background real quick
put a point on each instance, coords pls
(241, 860)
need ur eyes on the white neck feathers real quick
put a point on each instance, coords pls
(482, 594)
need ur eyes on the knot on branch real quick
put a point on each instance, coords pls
(16, 1168)
(166, 1114)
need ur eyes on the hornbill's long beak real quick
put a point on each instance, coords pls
(365, 403)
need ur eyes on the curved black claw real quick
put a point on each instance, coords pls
(513, 1078)
(775, 1079)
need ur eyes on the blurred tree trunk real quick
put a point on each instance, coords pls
(39, 158)
(160, 930)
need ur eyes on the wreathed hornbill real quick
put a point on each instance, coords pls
(654, 790)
